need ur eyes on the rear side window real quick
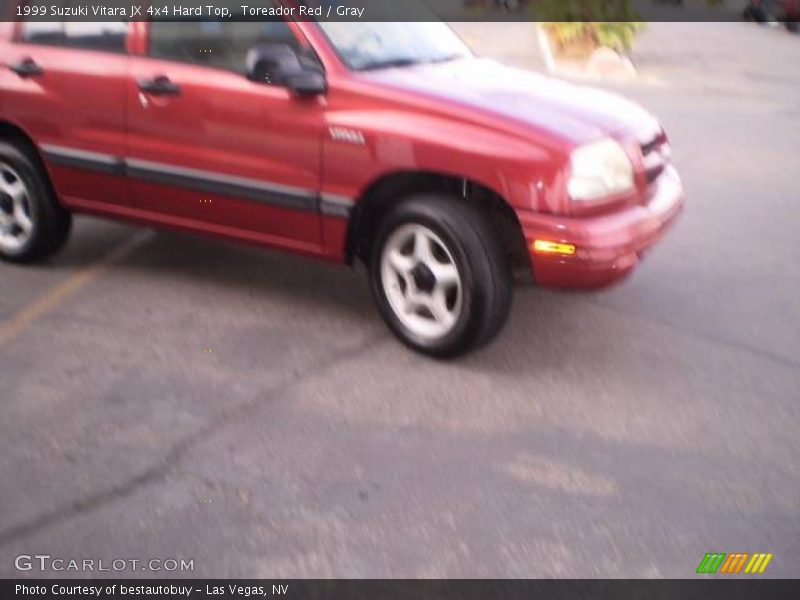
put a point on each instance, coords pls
(105, 36)
(216, 44)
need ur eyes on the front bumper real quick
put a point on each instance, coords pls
(608, 247)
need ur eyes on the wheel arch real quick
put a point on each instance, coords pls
(14, 133)
(384, 193)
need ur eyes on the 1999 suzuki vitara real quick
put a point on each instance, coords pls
(448, 175)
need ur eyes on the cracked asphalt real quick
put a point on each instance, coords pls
(166, 396)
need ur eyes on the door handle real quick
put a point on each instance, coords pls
(159, 86)
(27, 67)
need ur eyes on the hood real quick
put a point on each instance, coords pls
(574, 112)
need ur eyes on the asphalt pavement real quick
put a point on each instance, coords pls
(168, 396)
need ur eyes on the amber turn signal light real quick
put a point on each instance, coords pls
(548, 247)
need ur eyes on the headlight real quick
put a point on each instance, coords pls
(599, 169)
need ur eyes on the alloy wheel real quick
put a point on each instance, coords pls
(16, 217)
(421, 281)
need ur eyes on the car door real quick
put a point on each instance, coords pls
(210, 149)
(65, 84)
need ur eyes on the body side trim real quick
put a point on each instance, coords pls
(83, 159)
(225, 185)
(205, 181)
(336, 206)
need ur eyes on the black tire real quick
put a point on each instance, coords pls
(51, 222)
(484, 275)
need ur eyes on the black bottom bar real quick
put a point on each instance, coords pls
(700, 589)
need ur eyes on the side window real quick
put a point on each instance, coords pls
(216, 44)
(106, 36)
(49, 33)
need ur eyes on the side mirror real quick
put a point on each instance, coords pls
(279, 64)
(308, 82)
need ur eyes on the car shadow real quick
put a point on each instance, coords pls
(543, 330)
(253, 271)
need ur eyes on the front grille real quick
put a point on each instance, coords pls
(656, 155)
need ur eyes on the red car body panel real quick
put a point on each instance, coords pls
(608, 246)
(257, 132)
(242, 160)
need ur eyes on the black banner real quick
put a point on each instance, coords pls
(376, 10)
(700, 589)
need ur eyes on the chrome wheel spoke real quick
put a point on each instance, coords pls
(410, 306)
(15, 189)
(9, 240)
(22, 219)
(422, 247)
(446, 274)
(437, 305)
(421, 281)
(401, 263)
(413, 300)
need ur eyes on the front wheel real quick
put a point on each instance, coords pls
(439, 276)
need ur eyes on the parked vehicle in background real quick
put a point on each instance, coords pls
(449, 176)
(774, 11)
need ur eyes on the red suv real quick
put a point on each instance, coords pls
(448, 175)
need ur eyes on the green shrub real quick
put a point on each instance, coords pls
(586, 23)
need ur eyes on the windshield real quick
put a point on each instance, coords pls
(365, 46)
